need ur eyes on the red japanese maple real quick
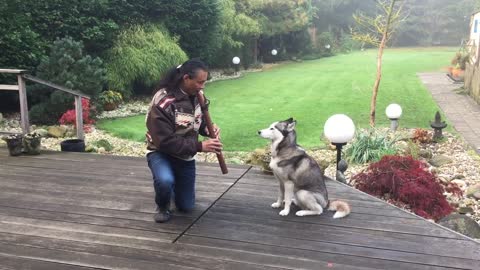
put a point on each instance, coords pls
(70, 117)
(406, 181)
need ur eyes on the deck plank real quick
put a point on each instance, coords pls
(86, 211)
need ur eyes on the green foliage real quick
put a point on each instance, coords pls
(20, 45)
(439, 22)
(412, 149)
(460, 60)
(368, 146)
(280, 17)
(336, 16)
(235, 23)
(196, 22)
(237, 26)
(378, 29)
(348, 44)
(142, 54)
(29, 27)
(66, 66)
(110, 96)
(323, 47)
(103, 143)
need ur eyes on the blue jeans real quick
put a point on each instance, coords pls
(172, 177)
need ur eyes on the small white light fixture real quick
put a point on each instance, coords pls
(339, 129)
(393, 112)
(327, 46)
(236, 60)
(274, 52)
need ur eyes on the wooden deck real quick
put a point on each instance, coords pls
(84, 211)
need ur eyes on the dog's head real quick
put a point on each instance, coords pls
(278, 130)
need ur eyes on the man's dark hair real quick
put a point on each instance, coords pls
(173, 77)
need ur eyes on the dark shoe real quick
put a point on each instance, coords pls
(162, 216)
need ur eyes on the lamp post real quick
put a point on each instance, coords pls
(339, 129)
(274, 53)
(236, 61)
(393, 112)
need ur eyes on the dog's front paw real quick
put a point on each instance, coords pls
(284, 212)
(276, 205)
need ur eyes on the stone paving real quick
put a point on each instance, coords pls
(460, 109)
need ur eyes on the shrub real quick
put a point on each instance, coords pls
(460, 60)
(412, 149)
(110, 97)
(66, 66)
(347, 44)
(103, 143)
(369, 146)
(70, 117)
(421, 136)
(141, 55)
(406, 181)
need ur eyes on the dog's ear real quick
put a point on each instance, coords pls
(289, 120)
(291, 125)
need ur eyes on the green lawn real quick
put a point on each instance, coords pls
(312, 91)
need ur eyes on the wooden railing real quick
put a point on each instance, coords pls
(22, 92)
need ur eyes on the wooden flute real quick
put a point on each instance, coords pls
(211, 130)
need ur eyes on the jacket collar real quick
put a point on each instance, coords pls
(180, 94)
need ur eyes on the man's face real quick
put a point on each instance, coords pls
(193, 85)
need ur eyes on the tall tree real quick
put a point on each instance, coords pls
(282, 19)
(378, 31)
(196, 22)
(435, 22)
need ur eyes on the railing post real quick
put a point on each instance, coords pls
(79, 113)
(22, 93)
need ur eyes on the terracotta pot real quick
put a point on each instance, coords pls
(109, 106)
(456, 72)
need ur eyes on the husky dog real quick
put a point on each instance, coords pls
(299, 175)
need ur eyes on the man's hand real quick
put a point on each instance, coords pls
(216, 129)
(212, 145)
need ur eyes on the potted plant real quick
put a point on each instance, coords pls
(32, 143)
(14, 144)
(459, 63)
(110, 99)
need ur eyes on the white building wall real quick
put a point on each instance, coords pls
(474, 35)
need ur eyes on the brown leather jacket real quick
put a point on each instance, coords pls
(173, 123)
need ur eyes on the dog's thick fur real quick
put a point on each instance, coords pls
(299, 175)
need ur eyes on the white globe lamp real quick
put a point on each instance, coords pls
(339, 129)
(236, 60)
(393, 112)
(274, 52)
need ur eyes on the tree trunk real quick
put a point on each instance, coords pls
(255, 50)
(381, 47)
(373, 103)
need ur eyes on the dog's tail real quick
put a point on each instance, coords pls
(342, 208)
